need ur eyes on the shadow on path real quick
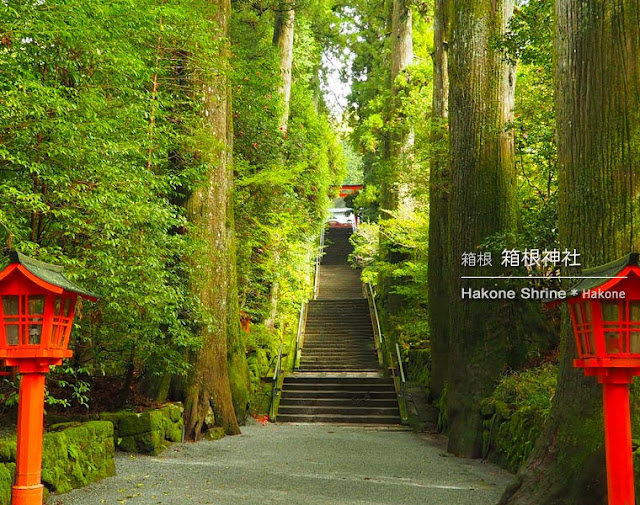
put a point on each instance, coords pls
(303, 464)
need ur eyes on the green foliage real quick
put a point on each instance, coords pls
(94, 109)
(284, 178)
(516, 413)
(355, 165)
(529, 43)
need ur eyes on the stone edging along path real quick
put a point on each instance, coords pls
(81, 451)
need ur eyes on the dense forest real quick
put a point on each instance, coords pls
(179, 159)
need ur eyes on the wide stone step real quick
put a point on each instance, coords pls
(339, 379)
(339, 402)
(337, 419)
(329, 342)
(339, 365)
(357, 354)
(339, 385)
(339, 355)
(339, 303)
(339, 328)
(343, 411)
(337, 368)
(313, 395)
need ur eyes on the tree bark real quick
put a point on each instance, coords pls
(598, 107)
(482, 204)
(283, 35)
(210, 211)
(439, 188)
(395, 194)
(283, 38)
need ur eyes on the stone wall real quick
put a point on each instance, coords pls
(71, 458)
(147, 432)
(79, 450)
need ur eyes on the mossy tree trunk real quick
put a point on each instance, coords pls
(283, 36)
(395, 195)
(209, 209)
(482, 204)
(598, 107)
(439, 187)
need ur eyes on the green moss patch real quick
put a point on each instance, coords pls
(147, 432)
(516, 413)
(72, 457)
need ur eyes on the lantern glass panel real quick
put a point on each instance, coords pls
(36, 308)
(634, 311)
(577, 313)
(11, 307)
(612, 342)
(67, 307)
(36, 305)
(610, 311)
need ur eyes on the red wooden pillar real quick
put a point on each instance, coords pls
(617, 438)
(28, 490)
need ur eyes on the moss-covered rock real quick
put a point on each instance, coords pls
(138, 423)
(151, 442)
(215, 433)
(148, 432)
(515, 414)
(77, 456)
(114, 419)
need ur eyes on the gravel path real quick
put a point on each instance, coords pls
(304, 464)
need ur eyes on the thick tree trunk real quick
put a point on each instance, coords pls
(482, 203)
(208, 209)
(395, 194)
(283, 38)
(283, 35)
(439, 188)
(598, 104)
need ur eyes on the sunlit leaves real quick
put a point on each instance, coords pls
(94, 104)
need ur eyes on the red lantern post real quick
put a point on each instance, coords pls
(605, 315)
(37, 304)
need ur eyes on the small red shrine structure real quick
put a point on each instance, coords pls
(605, 316)
(37, 304)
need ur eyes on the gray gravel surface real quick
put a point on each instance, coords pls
(304, 464)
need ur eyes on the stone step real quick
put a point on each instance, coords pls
(314, 395)
(338, 419)
(338, 368)
(335, 410)
(339, 402)
(336, 354)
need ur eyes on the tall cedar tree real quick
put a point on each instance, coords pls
(438, 204)
(482, 204)
(598, 107)
(210, 209)
(394, 196)
(283, 36)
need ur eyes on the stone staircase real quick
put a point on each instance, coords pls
(339, 380)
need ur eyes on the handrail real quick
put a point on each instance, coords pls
(381, 340)
(400, 364)
(318, 259)
(375, 312)
(296, 355)
(276, 388)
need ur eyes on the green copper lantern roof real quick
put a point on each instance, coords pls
(597, 276)
(52, 274)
